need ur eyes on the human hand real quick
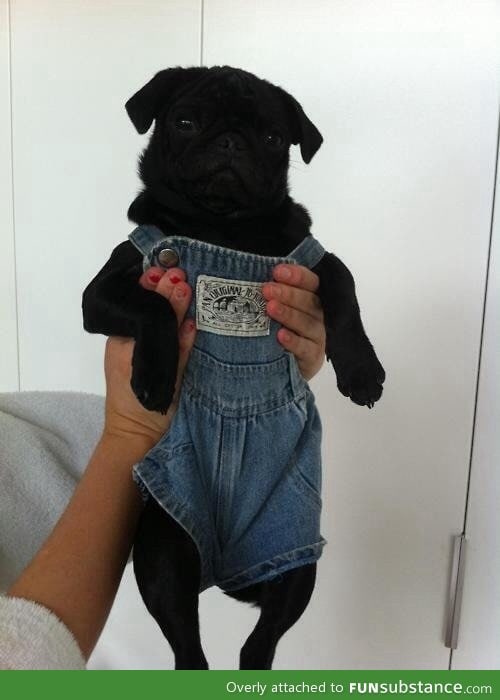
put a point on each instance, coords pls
(292, 301)
(125, 417)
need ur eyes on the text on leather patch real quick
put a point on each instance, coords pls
(230, 307)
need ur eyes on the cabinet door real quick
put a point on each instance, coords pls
(404, 94)
(74, 65)
(8, 325)
(479, 632)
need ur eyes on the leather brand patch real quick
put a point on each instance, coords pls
(230, 307)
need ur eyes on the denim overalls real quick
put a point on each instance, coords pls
(240, 467)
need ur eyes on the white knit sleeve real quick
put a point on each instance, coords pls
(32, 637)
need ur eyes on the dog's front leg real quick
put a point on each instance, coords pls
(359, 373)
(114, 303)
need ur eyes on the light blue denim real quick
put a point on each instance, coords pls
(240, 467)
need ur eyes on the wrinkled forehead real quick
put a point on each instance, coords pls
(234, 94)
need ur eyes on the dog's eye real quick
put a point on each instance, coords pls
(184, 124)
(274, 139)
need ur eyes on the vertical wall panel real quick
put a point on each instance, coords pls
(74, 66)
(8, 326)
(405, 95)
(479, 634)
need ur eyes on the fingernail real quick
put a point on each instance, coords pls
(154, 277)
(175, 279)
(284, 272)
(285, 335)
(187, 327)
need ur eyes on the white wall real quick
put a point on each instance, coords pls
(75, 160)
(8, 321)
(406, 96)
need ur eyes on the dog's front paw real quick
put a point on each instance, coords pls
(153, 382)
(153, 393)
(362, 379)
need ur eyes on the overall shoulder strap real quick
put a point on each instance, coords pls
(308, 253)
(145, 237)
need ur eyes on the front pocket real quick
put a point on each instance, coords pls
(305, 464)
(307, 480)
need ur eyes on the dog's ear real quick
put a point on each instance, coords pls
(302, 129)
(149, 101)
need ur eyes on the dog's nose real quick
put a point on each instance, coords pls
(231, 142)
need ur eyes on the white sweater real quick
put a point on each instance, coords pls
(33, 638)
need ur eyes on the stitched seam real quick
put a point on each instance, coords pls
(302, 251)
(246, 408)
(239, 369)
(169, 452)
(221, 250)
(309, 551)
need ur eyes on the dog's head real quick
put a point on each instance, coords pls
(221, 138)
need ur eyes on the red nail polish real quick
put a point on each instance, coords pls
(154, 277)
(175, 279)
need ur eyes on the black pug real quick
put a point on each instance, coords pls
(216, 170)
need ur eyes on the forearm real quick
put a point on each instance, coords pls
(77, 571)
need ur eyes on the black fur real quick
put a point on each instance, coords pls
(216, 166)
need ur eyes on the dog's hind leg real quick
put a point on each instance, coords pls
(282, 601)
(167, 569)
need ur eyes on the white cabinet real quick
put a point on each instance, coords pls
(479, 633)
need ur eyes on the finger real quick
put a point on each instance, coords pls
(309, 355)
(151, 277)
(178, 292)
(296, 276)
(301, 323)
(302, 348)
(174, 275)
(298, 298)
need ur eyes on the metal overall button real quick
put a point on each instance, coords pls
(167, 257)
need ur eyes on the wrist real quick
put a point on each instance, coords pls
(123, 448)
